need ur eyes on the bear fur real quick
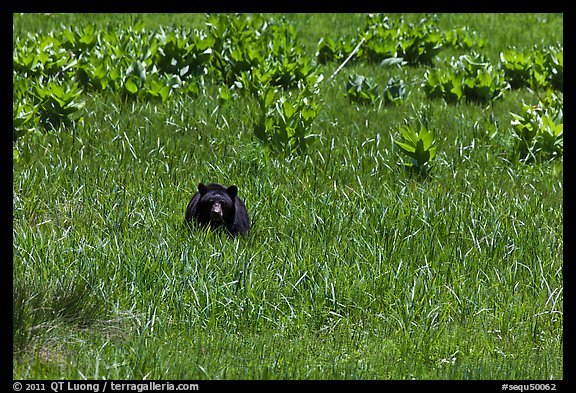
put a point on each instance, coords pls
(216, 206)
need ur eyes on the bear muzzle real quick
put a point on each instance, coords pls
(216, 213)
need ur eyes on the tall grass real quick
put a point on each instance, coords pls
(352, 270)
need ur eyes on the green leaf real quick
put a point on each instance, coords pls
(484, 79)
(269, 97)
(406, 147)
(309, 113)
(288, 109)
(427, 138)
(131, 85)
(224, 92)
(419, 148)
(164, 92)
(409, 134)
(15, 155)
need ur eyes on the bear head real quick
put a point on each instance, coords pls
(217, 203)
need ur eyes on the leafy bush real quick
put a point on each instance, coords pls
(517, 67)
(328, 50)
(260, 55)
(365, 90)
(384, 38)
(443, 83)
(243, 44)
(463, 38)
(381, 40)
(469, 77)
(42, 55)
(538, 131)
(395, 91)
(537, 68)
(80, 39)
(285, 122)
(419, 147)
(24, 118)
(419, 43)
(554, 56)
(183, 52)
(151, 65)
(361, 89)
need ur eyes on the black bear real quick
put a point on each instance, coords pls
(215, 206)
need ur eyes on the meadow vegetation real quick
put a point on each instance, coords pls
(406, 211)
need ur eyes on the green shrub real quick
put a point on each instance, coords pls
(419, 147)
(285, 122)
(361, 89)
(538, 131)
(470, 77)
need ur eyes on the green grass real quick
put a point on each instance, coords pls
(352, 269)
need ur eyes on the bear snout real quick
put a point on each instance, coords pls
(216, 213)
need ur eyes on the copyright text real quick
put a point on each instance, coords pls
(103, 386)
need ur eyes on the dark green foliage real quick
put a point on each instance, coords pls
(327, 50)
(56, 103)
(463, 38)
(381, 40)
(285, 122)
(184, 52)
(443, 83)
(554, 64)
(142, 65)
(538, 131)
(420, 42)
(418, 145)
(395, 91)
(385, 38)
(80, 39)
(517, 67)
(254, 54)
(361, 89)
(25, 116)
(365, 90)
(470, 77)
(537, 68)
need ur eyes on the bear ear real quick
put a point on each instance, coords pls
(232, 191)
(202, 188)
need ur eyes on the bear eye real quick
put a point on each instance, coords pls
(215, 198)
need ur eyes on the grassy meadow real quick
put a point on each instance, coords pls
(354, 269)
